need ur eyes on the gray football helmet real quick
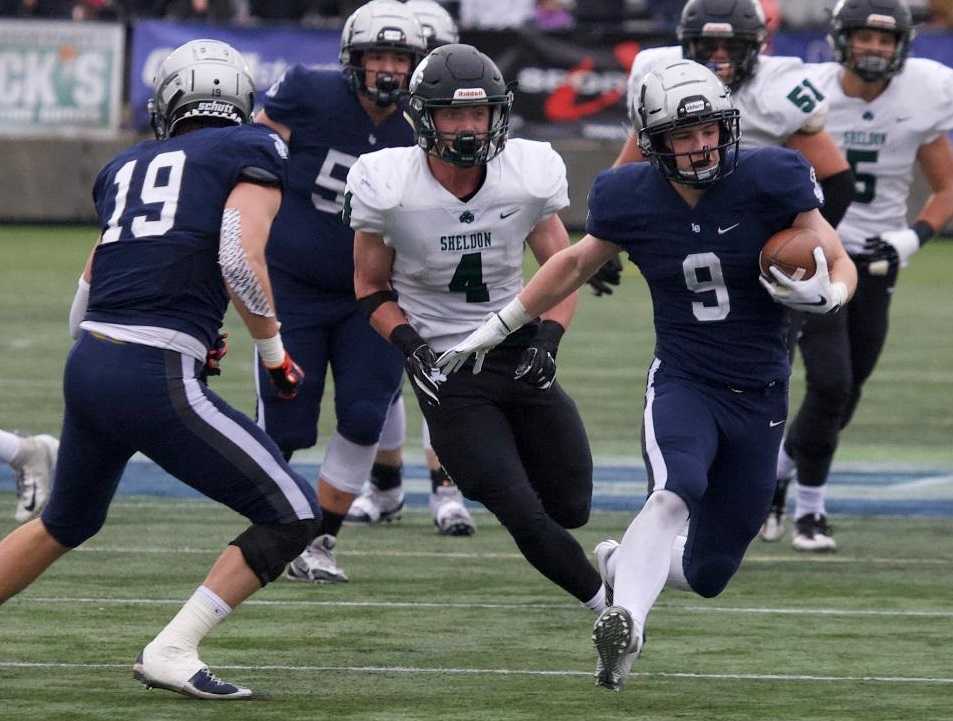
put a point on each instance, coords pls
(682, 95)
(439, 27)
(201, 79)
(380, 25)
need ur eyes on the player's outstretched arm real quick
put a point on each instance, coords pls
(936, 162)
(246, 223)
(560, 276)
(548, 238)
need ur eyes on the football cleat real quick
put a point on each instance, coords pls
(450, 516)
(603, 552)
(183, 672)
(773, 527)
(376, 506)
(34, 466)
(813, 534)
(317, 564)
(618, 643)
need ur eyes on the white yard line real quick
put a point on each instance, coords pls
(513, 672)
(683, 608)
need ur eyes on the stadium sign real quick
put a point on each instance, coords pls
(60, 78)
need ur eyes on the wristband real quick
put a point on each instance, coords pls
(406, 338)
(513, 315)
(271, 350)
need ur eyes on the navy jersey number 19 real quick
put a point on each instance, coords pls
(151, 193)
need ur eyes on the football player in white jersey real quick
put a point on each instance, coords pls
(382, 498)
(440, 231)
(779, 102)
(887, 112)
(32, 459)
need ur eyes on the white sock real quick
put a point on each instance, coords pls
(201, 613)
(644, 559)
(809, 499)
(598, 602)
(786, 464)
(676, 571)
(9, 445)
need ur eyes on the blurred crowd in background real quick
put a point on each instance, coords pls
(550, 15)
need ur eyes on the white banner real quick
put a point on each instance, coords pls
(60, 78)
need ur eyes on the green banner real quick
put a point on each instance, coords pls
(60, 78)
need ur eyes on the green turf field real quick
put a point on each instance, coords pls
(904, 415)
(431, 629)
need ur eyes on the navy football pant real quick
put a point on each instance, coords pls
(122, 398)
(523, 453)
(717, 448)
(367, 372)
(839, 352)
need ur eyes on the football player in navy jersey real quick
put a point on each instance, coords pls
(694, 221)
(184, 223)
(329, 118)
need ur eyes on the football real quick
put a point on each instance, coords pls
(790, 250)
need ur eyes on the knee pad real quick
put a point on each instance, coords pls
(709, 577)
(346, 464)
(362, 422)
(267, 548)
(394, 432)
(668, 506)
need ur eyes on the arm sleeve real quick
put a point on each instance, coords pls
(364, 208)
(290, 101)
(788, 182)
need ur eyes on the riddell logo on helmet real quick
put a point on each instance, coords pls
(214, 106)
(881, 21)
(695, 106)
(718, 29)
(469, 94)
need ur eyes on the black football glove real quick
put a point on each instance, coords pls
(213, 359)
(878, 252)
(608, 275)
(421, 364)
(287, 378)
(537, 365)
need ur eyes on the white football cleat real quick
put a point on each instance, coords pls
(34, 466)
(450, 516)
(317, 564)
(813, 534)
(175, 669)
(773, 527)
(618, 642)
(603, 552)
(376, 506)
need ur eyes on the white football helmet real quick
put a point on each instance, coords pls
(438, 25)
(201, 79)
(681, 95)
(380, 25)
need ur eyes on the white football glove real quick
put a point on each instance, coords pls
(478, 343)
(905, 242)
(817, 294)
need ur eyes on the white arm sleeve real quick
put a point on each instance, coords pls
(77, 310)
(236, 272)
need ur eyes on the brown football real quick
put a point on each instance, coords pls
(791, 250)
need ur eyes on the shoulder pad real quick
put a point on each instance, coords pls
(379, 179)
(540, 167)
